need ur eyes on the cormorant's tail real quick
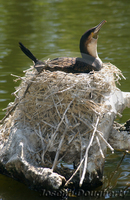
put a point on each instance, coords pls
(27, 52)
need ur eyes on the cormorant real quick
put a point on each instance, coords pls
(89, 61)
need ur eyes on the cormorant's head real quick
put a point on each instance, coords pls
(88, 41)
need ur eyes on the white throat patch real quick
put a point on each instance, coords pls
(92, 49)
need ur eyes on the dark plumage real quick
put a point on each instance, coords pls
(89, 61)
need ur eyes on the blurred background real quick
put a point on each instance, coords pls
(54, 27)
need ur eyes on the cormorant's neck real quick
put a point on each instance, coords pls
(90, 49)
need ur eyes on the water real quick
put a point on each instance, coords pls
(49, 27)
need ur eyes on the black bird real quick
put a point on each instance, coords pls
(89, 61)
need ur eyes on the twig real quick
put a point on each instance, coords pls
(17, 76)
(28, 69)
(86, 153)
(61, 91)
(40, 136)
(15, 105)
(56, 107)
(85, 121)
(42, 140)
(98, 142)
(105, 141)
(48, 124)
(58, 150)
(14, 93)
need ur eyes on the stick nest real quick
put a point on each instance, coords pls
(62, 109)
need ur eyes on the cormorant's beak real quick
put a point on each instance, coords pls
(97, 29)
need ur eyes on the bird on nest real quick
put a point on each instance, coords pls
(88, 48)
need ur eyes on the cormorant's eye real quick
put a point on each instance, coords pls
(94, 35)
